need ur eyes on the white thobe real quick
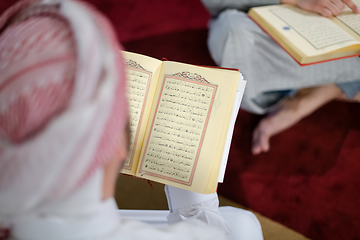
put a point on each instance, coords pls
(84, 216)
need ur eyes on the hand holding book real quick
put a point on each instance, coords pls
(327, 8)
(181, 121)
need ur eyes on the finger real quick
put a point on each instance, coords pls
(333, 8)
(352, 6)
(339, 4)
(324, 11)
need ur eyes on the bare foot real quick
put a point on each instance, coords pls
(290, 111)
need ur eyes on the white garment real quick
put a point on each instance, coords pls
(235, 41)
(243, 224)
(79, 217)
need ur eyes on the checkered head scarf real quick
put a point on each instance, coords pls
(63, 107)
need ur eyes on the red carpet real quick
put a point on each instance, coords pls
(310, 179)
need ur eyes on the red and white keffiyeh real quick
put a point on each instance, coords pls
(63, 105)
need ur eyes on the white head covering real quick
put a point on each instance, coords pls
(63, 109)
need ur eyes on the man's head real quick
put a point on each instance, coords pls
(63, 108)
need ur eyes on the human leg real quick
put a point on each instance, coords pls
(291, 110)
(235, 41)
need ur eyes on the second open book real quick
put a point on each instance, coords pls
(309, 37)
(181, 119)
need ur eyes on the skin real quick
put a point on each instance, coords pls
(291, 111)
(327, 8)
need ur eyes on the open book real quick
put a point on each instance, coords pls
(309, 37)
(181, 119)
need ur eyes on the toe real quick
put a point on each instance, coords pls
(255, 149)
(265, 143)
(261, 137)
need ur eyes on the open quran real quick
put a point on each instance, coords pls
(181, 120)
(309, 37)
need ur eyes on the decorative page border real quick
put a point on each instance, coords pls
(193, 78)
(133, 64)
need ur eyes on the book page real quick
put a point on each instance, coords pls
(142, 73)
(308, 37)
(350, 19)
(178, 129)
(189, 125)
(319, 31)
(239, 94)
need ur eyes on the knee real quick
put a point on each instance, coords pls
(231, 36)
(233, 21)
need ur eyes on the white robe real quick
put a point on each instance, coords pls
(84, 216)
